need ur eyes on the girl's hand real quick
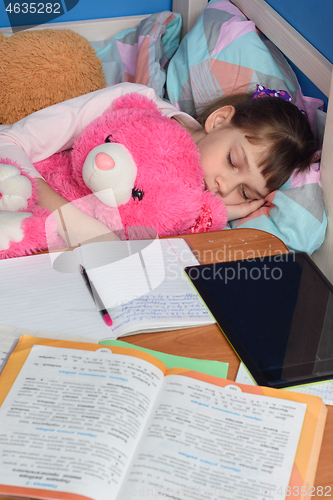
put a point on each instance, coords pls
(243, 209)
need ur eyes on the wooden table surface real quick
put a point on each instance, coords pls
(207, 342)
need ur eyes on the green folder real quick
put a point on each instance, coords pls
(216, 368)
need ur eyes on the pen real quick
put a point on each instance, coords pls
(105, 315)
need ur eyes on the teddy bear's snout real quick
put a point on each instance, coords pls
(103, 161)
(109, 170)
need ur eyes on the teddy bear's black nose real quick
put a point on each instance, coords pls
(136, 193)
(108, 139)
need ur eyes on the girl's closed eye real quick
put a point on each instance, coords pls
(246, 198)
(230, 161)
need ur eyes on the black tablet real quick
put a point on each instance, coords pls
(276, 312)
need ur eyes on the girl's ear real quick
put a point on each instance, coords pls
(316, 157)
(221, 116)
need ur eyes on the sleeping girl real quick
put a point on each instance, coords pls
(248, 145)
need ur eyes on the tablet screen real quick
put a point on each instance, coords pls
(276, 312)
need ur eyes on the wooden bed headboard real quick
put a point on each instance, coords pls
(306, 57)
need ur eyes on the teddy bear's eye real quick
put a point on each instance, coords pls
(108, 139)
(136, 193)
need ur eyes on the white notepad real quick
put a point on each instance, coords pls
(37, 296)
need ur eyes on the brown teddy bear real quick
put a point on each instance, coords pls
(43, 67)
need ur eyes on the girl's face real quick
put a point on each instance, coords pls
(230, 161)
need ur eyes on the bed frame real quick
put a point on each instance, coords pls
(308, 59)
(319, 70)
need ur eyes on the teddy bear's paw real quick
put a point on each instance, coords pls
(110, 172)
(11, 227)
(15, 189)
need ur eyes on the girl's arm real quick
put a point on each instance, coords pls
(80, 227)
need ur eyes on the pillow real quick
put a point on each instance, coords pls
(223, 54)
(140, 55)
(309, 104)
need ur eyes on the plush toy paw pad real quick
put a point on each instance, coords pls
(15, 189)
(11, 227)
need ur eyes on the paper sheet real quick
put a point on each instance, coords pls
(10, 335)
(322, 389)
(215, 368)
(34, 295)
(206, 442)
(64, 397)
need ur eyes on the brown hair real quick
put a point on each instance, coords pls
(279, 124)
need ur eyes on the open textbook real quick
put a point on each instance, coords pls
(81, 421)
(141, 283)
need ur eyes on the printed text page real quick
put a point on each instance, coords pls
(73, 419)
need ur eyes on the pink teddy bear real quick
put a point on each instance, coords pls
(143, 168)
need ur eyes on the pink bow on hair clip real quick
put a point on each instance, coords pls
(262, 91)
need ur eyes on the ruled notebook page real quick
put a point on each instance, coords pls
(149, 290)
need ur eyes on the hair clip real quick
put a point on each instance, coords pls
(262, 91)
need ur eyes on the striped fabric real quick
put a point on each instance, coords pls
(140, 55)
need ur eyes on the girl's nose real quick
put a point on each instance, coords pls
(225, 185)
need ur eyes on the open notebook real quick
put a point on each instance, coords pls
(142, 284)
